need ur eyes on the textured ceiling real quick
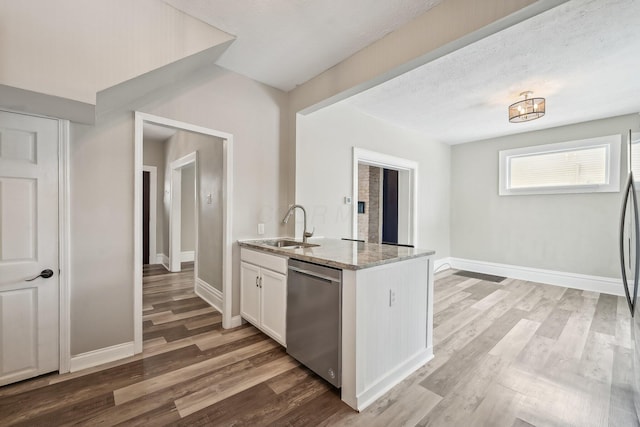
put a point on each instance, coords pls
(582, 56)
(284, 43)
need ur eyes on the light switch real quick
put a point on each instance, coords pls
(347, 200)
(260, 229)
(209, 198)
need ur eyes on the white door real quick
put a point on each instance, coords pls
(250, 292)
(273, 308)
(28, 245)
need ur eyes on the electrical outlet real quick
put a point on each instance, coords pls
(260, 229)
(392, 297)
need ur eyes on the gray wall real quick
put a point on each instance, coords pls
(188, 209)
(101, 168)
(101, 246)
(324, 172)
(153, 155)
(208, 181)
(574, 233)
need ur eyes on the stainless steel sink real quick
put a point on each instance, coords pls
(288, 244)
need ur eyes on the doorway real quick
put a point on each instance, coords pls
(145, 216)
(218, 196)
(390, 206)
(385, 205)
(149, 214)
(183, 213)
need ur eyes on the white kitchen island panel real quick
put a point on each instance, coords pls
(387, 327)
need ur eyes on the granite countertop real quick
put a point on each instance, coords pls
(342, 254)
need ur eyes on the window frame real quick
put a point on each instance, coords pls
(612, 171)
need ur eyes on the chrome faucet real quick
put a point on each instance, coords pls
(305, 233)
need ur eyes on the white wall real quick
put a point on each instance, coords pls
(575, 233)
(102, 191)
(75, 48)
(324, 171)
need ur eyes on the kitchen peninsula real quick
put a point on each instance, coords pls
(386, 306)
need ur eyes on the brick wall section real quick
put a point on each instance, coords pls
(369, 181)
(363, 196)
(375, 180)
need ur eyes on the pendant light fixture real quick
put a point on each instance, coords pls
(526, 110)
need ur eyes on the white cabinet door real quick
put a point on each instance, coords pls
(28, 245)
(250, 292)
(273, 308)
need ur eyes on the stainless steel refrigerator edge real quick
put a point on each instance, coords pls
(314, 318)
(630, 266)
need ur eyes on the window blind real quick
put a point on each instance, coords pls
(581, 166)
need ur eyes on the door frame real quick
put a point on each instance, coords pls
(386, 161)
(153, 211)
(227, 209)
(175, 213)
(64, 237)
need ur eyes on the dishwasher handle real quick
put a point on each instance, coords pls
(314, 274)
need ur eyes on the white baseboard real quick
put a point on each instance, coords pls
(236, 321)
(214, 298)
(606, 285)
(187, 256)
(162, 259)
(100, 356)
(394, 377)
(441, 264)
(209, 294)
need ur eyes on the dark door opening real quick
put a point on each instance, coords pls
(390, 206)
(146, 190)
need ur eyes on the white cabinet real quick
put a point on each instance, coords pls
(273, 305)
(263, 292)
(250, 292)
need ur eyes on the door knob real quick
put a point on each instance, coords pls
(45, 274)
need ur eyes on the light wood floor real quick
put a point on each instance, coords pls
(507, 354)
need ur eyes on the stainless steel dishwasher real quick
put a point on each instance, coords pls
(314, 318)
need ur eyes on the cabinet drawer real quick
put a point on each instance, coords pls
(272, 262)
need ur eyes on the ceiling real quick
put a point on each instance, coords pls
(153, 132)
(284, 43)
(582, 56)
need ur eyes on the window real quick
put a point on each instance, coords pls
(583, 166)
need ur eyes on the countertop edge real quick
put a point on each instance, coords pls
(292, 253)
